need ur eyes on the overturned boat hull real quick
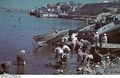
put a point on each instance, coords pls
(50, 38)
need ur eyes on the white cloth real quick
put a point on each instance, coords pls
(22, 51)
(96, 37)
(104, 39)
(58, 50)
(88, 56)
(74, 41)
(73, 36)
(65, 47)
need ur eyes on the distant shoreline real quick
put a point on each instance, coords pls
(3, 9)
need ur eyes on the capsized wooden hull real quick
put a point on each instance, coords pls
(50, 38)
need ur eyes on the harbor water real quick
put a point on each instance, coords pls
(16, 32)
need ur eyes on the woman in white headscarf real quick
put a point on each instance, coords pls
(96, 39)
(104, 39)
(74, 40)
(66, 50)
(21, 58)
(60, 56)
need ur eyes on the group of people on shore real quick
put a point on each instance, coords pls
(62, 53)
(81, 47)
(97, 39)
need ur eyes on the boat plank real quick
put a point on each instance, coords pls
(110, 45)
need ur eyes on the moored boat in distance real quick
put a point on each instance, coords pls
(75, 17)
(64, 16)
(49, 15)
(32, 12)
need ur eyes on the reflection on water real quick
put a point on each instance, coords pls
(20, 69)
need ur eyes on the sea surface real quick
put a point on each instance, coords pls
(16, 33)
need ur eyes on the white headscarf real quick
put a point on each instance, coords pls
(22, 51)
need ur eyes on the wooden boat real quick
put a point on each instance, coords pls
(50, 38)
